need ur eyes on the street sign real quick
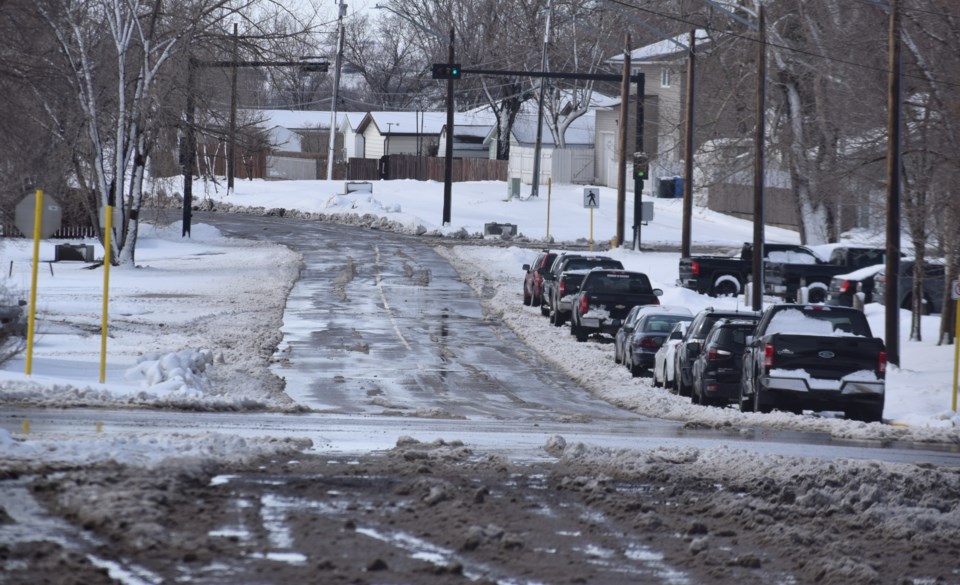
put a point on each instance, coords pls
(50, 219)
(955, 290)
(591, 198)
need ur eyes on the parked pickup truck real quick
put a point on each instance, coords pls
(605, 298)
(721, 276)
(552, 298)
(813, 274)
(814, 357)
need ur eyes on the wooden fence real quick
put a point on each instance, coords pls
(421, 168)
(67, 232)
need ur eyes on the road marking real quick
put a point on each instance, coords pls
(386, 305)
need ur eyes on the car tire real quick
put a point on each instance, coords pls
(725, 288)
(527, 301)
(683, 389)
(656, 379)
(746, 402)
(545, 310)
(616, 354)
(536, 300)
(580, 333)
(760, 405)
(555, 318)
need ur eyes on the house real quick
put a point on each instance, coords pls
(572, 164)
(664, 65)
(385, 133)
(298, 141)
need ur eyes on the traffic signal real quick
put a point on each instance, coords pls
(446, 71)
(640, 163)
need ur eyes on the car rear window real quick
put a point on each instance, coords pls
(819, 322)
(586, 263)
(620, 282)
(663, 323)
(733, 337)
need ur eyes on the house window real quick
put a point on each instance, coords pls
(664, 77)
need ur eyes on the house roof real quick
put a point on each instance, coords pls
(524, 131)
(663, 50)
(420, 123)
(295, 119)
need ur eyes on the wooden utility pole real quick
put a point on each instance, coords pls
(624, 130)
(759, 172)
(892, 287)
(685, 227)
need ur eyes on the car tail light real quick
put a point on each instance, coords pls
(695, 268)
(768, 355)
(649, 342)
(845, 286)
(717, 354)
(882, 362)
(584, 304)
(562, 287)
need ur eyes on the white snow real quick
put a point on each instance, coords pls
(187, 326)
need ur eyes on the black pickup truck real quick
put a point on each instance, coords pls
(605, 298)
(787, 279)
(814, 357)
(552, 298)
(721, 276)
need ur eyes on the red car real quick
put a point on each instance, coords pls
(533, 279)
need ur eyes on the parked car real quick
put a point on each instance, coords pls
(622, 338)
(566, 287)
(813, 273)
(565, 262)
(846, 288)
(814, 357)
(692, 341)
(665, 358)
(934, 281)
(605, 298)
(651, 330)
(533, 277)
(718, 367)
(721, 276)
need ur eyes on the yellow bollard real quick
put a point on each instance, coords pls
(26, 426)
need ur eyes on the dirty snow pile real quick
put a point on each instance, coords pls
(183, 372)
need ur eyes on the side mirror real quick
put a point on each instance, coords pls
(616, 323)
(657, 292)
(526, 268)
(693, 347)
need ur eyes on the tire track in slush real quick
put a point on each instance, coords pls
(383, 298)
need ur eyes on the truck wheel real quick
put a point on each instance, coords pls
(867, 413)
(760, 405)
(726, 286)
(544, 308)
(746, 402)
(657, 380)
(816, 294)
(581, 333)
(526, 298)
(555, 318)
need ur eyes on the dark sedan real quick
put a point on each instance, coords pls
(651, 327)
(717, 368)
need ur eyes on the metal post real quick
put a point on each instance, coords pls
(538, 145)
(892, 307)
(189, 152)
(448, 167)
(637, 180)
(232, 140)
(759, 172)
(624, 123)
(336, 92)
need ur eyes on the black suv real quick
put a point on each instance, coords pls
(689, 348)
(718, 368)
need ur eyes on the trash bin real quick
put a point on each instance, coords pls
(678, 187)
(666, 188)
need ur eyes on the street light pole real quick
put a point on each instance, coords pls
(232, 142)
(338, 61)
(535, 184)
(448, 167)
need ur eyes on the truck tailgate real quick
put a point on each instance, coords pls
(825, 357)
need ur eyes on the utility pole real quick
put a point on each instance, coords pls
(544, 65)
(189, 152)
(232, 141)
(685, 227)
(638, 178)
(759, 172)
(891, 291)
(448, 167)
(338, 61)
(624, 129)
